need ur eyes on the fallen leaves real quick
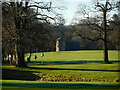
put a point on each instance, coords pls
(60, 78)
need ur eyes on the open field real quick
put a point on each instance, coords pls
(74, 56)
(70, 69)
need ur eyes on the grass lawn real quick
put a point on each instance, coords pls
(83, 55)
(63, 69)
(58, 85)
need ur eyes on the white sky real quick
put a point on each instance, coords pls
(71, 7)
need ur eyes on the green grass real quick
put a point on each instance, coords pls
(37, 84)
(75, 55)
(85, 64)
(92, 70)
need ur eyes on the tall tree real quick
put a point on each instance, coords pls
(22, 19)
(97, 27)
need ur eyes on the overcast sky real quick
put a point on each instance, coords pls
(71, 7)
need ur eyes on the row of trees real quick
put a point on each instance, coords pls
(99, 27)
(87, 32)
(85, 44)
(26, 28)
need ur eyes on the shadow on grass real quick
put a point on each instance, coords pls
(8, 74)
(73, 69)
(61, 85)
(74, 62)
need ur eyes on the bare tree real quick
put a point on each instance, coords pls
(22, 20)
(97, 28)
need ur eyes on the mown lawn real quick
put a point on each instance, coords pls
(66, 66)
(58, 85)
(83, 55)
(92, 70)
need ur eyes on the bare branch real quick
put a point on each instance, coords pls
(92, 39)
(11, 34)
(100, 6)
(41, 7)
(110, 8)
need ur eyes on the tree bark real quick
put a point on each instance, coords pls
(30, 52)
(20, 57)
(105, 37)
(19, 45)
(3, 55)
(19, 53)
(21, 62)
(105, 49)
(28, 59)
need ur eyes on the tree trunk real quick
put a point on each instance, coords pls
(3, 58)
(105, 37)
(28, 59)
(30, 53)
(3, 55)
(105, 50)
(8, 57)
(15, 54)
(20, 57)
(21, 62)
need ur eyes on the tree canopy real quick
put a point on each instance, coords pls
(26, 27)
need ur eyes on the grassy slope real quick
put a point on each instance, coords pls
(85, 70)
(76, 55)
(92, 70)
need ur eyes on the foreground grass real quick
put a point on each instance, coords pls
(62, 85)
(84, 64)
(73, 63)
(89, 70)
